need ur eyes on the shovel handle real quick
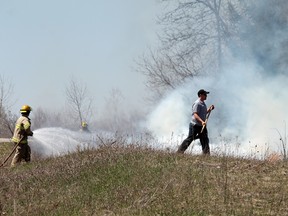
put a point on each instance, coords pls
(206, 120)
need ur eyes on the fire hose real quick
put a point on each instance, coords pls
(14, 148)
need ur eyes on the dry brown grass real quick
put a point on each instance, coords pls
(274, 157)
(117, 180)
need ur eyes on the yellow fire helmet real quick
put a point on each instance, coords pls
(84, 124)
(25, 109)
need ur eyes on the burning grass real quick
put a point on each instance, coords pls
(132, 180)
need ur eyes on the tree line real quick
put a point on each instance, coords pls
(79, 107)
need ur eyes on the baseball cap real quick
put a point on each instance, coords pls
(202, 91)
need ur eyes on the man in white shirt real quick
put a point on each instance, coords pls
(197, 126)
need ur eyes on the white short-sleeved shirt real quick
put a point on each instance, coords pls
(201, 109)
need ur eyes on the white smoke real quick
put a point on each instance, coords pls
(249, 95)
(250, 112)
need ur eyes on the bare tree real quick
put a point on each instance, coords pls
(118, 115)
(44, 118)
(195, 36)
(78, 101)
(265, 35)
(7, 119)
(199, 36)
(40, 118)
(113, 117)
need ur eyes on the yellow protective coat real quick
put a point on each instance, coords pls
(22, 129)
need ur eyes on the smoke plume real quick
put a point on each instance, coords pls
(249, 95)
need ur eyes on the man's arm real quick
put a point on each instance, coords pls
(197, 117)
(27, 128)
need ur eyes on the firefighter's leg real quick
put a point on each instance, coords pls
(18, 155)
(27, 153)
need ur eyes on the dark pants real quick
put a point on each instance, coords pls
(194, 133)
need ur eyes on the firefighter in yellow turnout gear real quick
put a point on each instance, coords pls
(22, 131)
(84, 127)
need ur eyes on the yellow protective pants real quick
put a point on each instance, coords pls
(23, 151)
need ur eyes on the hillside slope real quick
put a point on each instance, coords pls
(115, 180)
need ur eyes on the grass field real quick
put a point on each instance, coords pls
(133, 180)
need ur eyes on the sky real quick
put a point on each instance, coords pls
(44, 44)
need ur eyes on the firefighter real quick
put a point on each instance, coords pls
(21, 132)
(84, 127)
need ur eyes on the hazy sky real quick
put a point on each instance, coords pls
(44, 43)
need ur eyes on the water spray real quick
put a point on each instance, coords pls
(58, 141)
